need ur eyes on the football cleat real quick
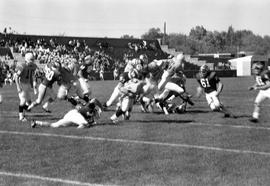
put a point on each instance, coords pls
(97, 113)
(187, 97)
(127, 115)
(166, 112)
(150, 106)
(33, 124)
(93, 123)
(105, 107)
(82, 126)
(114, 119)
(29, 108)
(254, 120)
(144, 107)
(23, 119)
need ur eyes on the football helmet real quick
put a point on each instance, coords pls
(143, 58)
(88, 60)
(179, 57)
(179, 62)
(133, 73)
(257, 68)
(29, 57)
(56, 65)
(204, 69)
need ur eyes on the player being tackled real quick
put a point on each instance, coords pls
(82, 116)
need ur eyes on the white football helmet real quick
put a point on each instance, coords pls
(204, 69)
(257, 68)
(29, 57)
(179, 61)
(143, 58)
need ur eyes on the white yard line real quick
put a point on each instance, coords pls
(237, 151)
(58, 180)
(227, 125)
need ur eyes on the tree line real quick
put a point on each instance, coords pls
(200, 40)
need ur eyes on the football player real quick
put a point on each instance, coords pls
(25, 80)
(211, 85)
(115, 73)
(101, 73)
(45, 88)
(9, 78)
(136, 64)
(162, 71)
(129, 92)
(178, 79)
(68, 81)
(262, 78)
(85, 89)
(82, 116)
(175, 64)
(152, 73)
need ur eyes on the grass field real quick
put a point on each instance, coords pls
(199, 147)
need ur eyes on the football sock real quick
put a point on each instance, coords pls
(119, 112)
(21, 108)
(86, 98)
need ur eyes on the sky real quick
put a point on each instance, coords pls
(115, 18)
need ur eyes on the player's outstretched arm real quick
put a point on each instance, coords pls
(263, 87)
(253, 87)
(219, 88)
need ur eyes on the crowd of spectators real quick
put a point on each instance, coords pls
(105, 58)
(72, 52)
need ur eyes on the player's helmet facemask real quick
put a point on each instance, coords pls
(204, 70)
(258, 68)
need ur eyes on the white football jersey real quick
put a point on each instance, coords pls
(133, 64)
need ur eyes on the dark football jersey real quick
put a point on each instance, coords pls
(67, 76)
(88, 111)
(83, 69)
(263, 78)
(124, 77)
(178, 79)
(154, 70)
(26, 72)
(208, 82)
(50, 77)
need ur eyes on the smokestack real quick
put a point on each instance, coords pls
(164, 33)
(164, 28)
